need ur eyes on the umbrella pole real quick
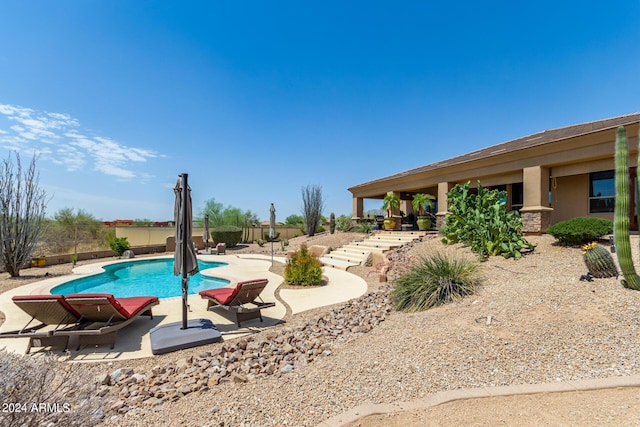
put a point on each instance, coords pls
(185, 278)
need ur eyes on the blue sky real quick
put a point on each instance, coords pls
(256, 100)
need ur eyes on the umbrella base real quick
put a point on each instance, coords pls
(171, 337)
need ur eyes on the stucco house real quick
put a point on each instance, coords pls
(549, 176)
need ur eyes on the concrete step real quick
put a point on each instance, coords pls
(361, 259)
(393, 238)
(416, 233)
(377, 244)
(362, 248)
(336, 263)
(352, 250)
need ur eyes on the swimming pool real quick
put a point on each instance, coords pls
(145, 277)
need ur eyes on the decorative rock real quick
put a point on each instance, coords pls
(103, 379)
(278, 351)
(287, 368)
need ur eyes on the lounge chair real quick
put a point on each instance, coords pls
(105, 315)
(49, 310)
(243, 300)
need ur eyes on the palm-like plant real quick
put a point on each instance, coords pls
(421, 201)
(390, 202)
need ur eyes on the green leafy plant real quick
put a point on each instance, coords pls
(260, 242)
(580, 230)
(390, 202)
(229, 234)
(599, 261)
(434, 280)
(481, 221)
(303, 269)
(421, 202)
(344, 223)
(364, 227)
(119, 245)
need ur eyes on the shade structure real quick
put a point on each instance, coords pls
(205, 232)
(185, 258)
(185, 334)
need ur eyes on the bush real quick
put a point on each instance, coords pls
(481, 221)
(229, 234)
(344, 223)
(260, 242)
(67, 389)
(364, 227)
(119, 245)
(580, 230)
(434, 281)
(303, 269)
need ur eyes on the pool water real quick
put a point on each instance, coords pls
(137, 278)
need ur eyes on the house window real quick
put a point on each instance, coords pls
(517, 196)
(602, 191)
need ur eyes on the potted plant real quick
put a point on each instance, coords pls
(390, 202)
(420, 203)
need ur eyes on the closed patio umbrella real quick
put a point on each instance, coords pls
(186, 334)
(272, 227)
(205, 232)
(185, 259)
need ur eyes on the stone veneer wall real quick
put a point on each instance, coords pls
(536, 222)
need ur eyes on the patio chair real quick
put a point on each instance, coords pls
(243, 300)
(105, 316)
(53, 313)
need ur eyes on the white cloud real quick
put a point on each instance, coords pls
(26, 129)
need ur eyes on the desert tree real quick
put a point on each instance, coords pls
(312, 207)
(22, 213)
(76, 227)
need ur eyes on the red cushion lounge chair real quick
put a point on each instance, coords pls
(49, 310)
(243, 299)
(106, 316)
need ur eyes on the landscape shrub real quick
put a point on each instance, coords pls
(229, 234)
(260, 242)
(344, 223)
(63, 394)
(364, 227)
(580, 230)
(434, 280)
(119, 245)
(303, 269)
(481, 221)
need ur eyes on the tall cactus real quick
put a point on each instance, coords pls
(332, 223)
(621, 221)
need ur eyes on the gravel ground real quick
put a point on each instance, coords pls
(545, 326)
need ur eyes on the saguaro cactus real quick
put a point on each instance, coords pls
(621, 220)
(332, 223)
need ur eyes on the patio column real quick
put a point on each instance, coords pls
(357, 208)
(443, 204)
(536, 213)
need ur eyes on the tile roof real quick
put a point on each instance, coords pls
(540, 138)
